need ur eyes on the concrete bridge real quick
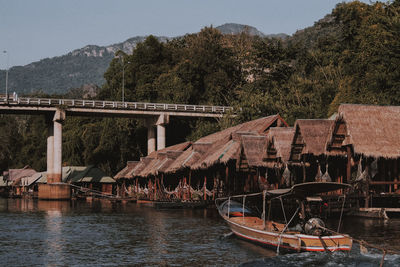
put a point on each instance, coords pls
(156, 116)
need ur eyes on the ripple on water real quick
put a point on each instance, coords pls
(105, 234)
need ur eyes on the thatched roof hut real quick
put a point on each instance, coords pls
(279, 144)
(227, 143)
(163, 164)
(268, 151)
(372, 131)
(152, 164)
(189, 157)
(254, 148)
(310, 137)
(125, 172)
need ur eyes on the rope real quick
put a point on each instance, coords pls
(341, 213)
(284, 229)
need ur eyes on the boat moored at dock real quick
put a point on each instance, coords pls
(309, 234)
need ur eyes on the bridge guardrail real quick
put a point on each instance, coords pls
(83, 103)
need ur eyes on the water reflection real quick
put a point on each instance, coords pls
(106, 233)
(54, 240)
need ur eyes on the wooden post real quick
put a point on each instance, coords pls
(227, 180)
(184, 185)
(180, 189)
(155, 188)
(190, 184)
(348, 170)
(137, 186)
(304, 171)
(396, 174)
(383, 172)
(205, 188)
(255, 182)
(390, 162)
(367, 196)
(263, 213)
(214, 187)
(150, 187)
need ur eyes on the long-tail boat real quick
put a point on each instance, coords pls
(310, 235)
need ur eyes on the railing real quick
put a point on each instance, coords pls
(99, 104)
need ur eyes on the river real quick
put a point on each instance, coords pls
(100, 233)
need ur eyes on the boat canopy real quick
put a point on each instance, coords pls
(308, 189)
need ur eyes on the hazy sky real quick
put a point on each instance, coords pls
(31, 30)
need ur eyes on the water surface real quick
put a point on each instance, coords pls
(100, 233)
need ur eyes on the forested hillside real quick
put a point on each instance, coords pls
(350, 56)
(84, 66)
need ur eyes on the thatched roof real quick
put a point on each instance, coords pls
(153, 163)
(254, 148)
(227, 143)
(189, 157)
(373, 131)
(219, 153)
(310, 137)
(268, 151)
(259, 126)
(178, 147)
(219, 147)
(124, 173)
(280, 139)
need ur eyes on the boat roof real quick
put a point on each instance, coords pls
(308, 189)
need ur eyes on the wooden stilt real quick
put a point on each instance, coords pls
(348, 169)
(255, 182)
(205, 188)
(214, 187)
(155, 188)
(391, 174)
(180, 189)
(190, 184)
(123, 188)
(227, 180)
(383, 172)
(303, 165)
(396, 174)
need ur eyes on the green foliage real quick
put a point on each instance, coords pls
(350, 56)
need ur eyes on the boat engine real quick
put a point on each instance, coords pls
(313, 226)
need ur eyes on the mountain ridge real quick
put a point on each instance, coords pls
(86, 65)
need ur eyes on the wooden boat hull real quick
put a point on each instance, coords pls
(289, 241)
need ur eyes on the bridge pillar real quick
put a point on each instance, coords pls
(162, 120)
(58, 119)
(151, 136)
(160, 123)
(50, 146)
(55, 189)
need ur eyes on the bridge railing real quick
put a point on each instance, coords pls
(96, 104)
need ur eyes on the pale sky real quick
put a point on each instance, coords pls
(31, 30)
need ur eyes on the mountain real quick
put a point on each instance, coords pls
(57, 75)
(234, 28)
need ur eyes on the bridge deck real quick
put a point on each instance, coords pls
(82, 107)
